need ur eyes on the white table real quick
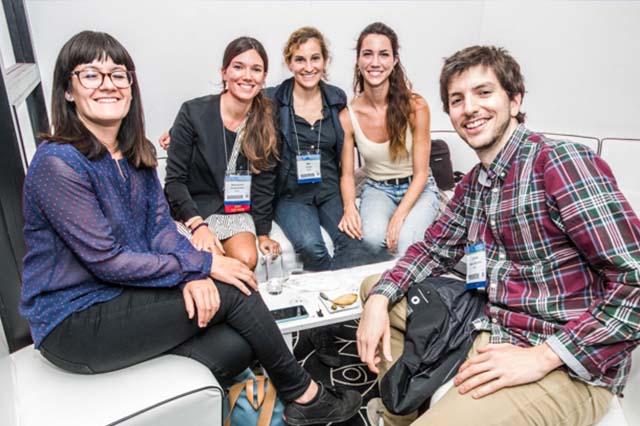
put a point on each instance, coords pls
(304, 289)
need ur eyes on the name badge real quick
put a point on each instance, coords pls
(476, 266)
(237, 192)
(309, 168)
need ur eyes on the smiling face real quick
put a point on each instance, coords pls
(376, 60)
(307, 64)
(105, 106)
(245, 75)
(480, 109)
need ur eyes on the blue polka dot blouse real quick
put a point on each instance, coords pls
(92, 227)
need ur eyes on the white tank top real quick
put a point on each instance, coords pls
(377, 158)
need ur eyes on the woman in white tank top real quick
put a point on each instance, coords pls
(390, 126)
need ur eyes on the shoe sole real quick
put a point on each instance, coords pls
(307, 422)
(372, 411)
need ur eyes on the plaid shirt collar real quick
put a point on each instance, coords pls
(500, 165)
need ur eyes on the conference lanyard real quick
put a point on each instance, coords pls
(308, 163)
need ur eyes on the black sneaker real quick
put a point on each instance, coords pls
(330, 405)
(326, 351)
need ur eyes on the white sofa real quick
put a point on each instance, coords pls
(166, 391)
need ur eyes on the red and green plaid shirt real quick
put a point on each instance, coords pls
(563, 254)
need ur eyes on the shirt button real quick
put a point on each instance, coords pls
(493, 285)
(492, 222)
(502, 174)
(502, 256)
(494, 189)
(494, 320)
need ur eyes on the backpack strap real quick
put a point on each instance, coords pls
(269, 403)
(234, 393)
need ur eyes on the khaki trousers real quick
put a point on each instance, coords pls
(557, 399)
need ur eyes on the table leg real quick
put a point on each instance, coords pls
(288, 339)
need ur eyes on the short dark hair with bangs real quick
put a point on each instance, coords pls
(83, 48)
(504, 66)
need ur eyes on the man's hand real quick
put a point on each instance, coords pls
(374, 328)
(504, 365)
(201, 296)
(232, 271)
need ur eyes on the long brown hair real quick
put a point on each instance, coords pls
(84, 48)
(399, 96)
(259, 144)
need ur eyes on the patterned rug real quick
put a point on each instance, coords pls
(352, 374)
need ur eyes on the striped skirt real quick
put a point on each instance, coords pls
(224, 226)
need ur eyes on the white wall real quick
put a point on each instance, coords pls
(581, 59)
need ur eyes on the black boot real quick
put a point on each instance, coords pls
(322, 340)
(328, 406)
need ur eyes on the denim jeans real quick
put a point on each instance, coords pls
(380, 201)
(301, 219)
(143, 323)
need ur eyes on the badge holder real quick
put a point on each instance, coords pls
(308, 165)
(476, 259)
(237, 192)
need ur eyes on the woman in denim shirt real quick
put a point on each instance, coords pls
(390, 126)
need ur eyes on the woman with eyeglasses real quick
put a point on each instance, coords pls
(105, 265)
(390, 126)
(220, 167)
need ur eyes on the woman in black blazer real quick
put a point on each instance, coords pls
(222, 156)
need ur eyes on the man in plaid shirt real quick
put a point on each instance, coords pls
(562, 248)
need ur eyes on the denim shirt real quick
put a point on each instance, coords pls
(282, 98)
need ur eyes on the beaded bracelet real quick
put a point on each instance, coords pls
(193, 231)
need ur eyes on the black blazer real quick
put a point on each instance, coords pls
(196, 167)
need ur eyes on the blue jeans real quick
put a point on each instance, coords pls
(301, 219)
(380, 201)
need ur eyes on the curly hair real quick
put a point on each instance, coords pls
(301, 36)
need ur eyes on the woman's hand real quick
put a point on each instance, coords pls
(201, 296)
(164, 141)
(233, 272)
(205, 240)
(393, 231)
(267, 245)
(351, 224)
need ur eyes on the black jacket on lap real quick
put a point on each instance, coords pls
(439, 335)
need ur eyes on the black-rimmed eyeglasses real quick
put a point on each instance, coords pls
(92, 79)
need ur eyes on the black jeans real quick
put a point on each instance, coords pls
(143, 323)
